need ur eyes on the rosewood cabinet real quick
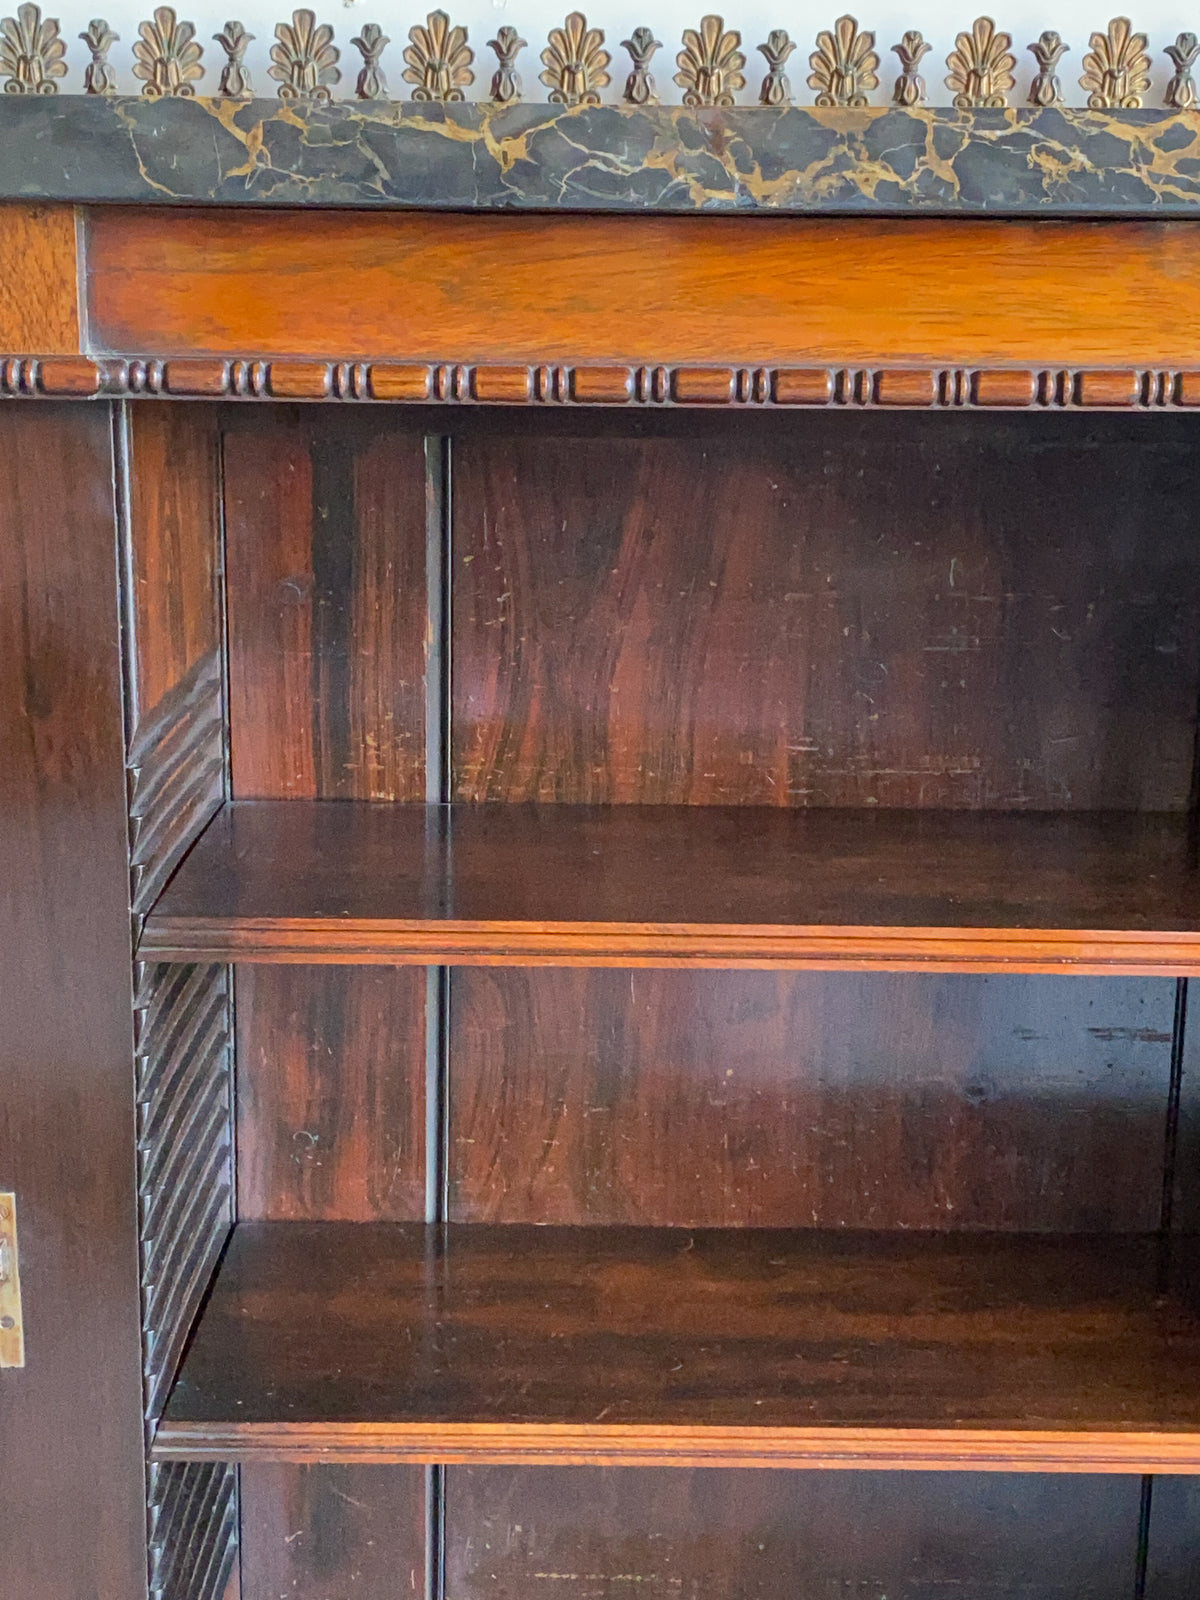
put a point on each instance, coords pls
(598, 887)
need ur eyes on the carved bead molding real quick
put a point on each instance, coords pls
(438, 61)
(931, 388)
(31, 52)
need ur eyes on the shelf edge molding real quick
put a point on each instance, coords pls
(868, 949)
(556, 1444)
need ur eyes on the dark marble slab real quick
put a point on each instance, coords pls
(603, 158)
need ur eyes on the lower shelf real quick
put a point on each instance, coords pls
(658, 1347)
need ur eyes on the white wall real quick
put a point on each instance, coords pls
(939, 22)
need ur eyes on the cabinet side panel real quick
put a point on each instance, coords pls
(1174, 1553)
(71, 1469)
(325, 529)
(828, 611)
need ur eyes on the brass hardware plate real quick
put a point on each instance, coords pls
(12, 1333)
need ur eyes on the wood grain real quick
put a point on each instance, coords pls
(511, 290)
(325, 529)
(828, 611)
(332, 1532)
(689, 1347)
(331, 1102)
(71, 1469)
(593, 1534)
(679, 885)
(175, 537)
(39, 299)
(836, 1101)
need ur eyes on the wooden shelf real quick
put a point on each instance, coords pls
(685, 885)
(650, 1346)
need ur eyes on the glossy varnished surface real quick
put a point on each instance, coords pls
(828, 611)
(72, 1511)
(595, 1534)
(684, 884)
(39, 297)
(514, 290)
(619, 158)
(718, 1099)
(728, 1347)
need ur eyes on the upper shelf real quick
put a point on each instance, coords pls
(684, 886)
(879, 160)
(659, 1347)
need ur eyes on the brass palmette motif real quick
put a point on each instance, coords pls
(843, 65)
(910, 85)
(575, 63)
(438, 60)
(1180, 93)
(981, 67)
(167, 57)
(99, 77)
(506, 80)
(776, 86)
(1116, 70)
(371, 43)
(31, 52)
(304, 58)
(710, 64)
(1048, 51)
(235, 76)
(639, 85)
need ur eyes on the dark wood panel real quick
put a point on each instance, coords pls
(71, 1473)
(731, 1346)
(592, 1534)
(325, 533)
(39, 296)
(678, 885)
(174, 515)
(518, 289)
(902, 611)
(1174, 1547)
(703, 1099)
(331, 1093)
(333, 1532)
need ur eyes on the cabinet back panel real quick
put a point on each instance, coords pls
(808, 610)
(325, 562)
(714, 1099)
(331, 1113)
(594, 1534)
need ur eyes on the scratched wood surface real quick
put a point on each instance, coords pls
(602, 1534)
(892, 611)
(325, 561)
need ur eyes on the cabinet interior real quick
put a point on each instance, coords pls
(989, 621)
